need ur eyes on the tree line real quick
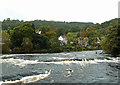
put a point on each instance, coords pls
(9, 24)
(22, 37)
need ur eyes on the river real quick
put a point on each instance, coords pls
(71, 67)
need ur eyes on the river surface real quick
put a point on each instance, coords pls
(72, 67)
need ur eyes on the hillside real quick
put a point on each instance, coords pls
(10, 24)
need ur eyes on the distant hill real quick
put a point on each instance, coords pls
(10, 24)
(110, 22)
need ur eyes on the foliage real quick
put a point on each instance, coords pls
(71, 37)
(45, 29)
(10, 24)
(111, 43)
(26, 45)
(40, 41)
(42, 36)
(6, 43)
(53, 40)
(25, 30)
(17, 50)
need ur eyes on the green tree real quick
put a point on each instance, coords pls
(18, 33)
(45, 29)
(53, 42)
(26, 45)
(40, 42)
(71, 37)
(91, 34)
(6, 43)
(111, 42)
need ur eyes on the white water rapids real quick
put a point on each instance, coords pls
(78, 67)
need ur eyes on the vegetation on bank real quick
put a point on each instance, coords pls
(111, 42)
(32, 37)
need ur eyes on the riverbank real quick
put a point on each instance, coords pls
(55, 51)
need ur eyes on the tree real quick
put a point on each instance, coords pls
(91, 34)
(71, 37)
(6, 43)
(111, 42)
(25, 30)
(40, 41)
(26, 45)
(53, 42)
(45, 29)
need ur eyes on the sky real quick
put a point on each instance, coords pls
(96, 11)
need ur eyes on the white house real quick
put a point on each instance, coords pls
(60, 38)
(38, 32)
(63, 40)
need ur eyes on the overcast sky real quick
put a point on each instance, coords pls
(96, 11)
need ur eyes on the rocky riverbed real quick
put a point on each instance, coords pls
(72, 67)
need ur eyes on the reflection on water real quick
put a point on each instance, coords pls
(73, 67)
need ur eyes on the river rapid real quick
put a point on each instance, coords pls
(71, 67)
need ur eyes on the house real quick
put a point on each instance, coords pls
(60, 38)
(63, 40)
(38, 32)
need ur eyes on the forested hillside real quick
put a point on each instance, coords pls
(10, 24)
(53, 36)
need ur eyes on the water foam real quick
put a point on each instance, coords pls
(22, 62)
(29, 79)
(61, 60)
(19, 62)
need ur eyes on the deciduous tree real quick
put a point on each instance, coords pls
(111, 42)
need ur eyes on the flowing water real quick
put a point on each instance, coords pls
(72, 67)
